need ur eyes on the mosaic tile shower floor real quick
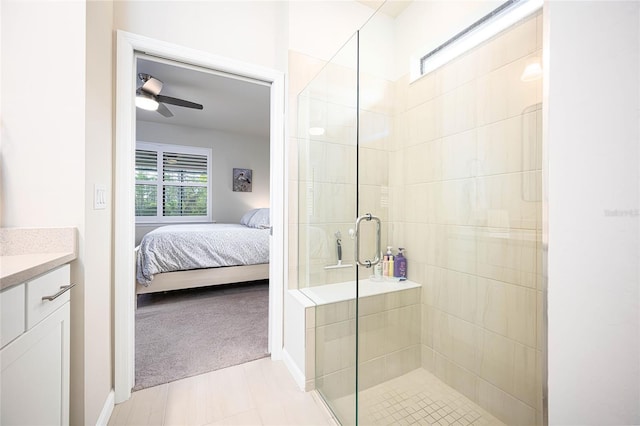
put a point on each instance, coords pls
(417, 398)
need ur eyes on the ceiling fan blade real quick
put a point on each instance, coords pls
(178, 102)
(162, 109)
(150, 84)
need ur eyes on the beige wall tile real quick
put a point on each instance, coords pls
(525, 379)
(423, 122)
(514, 198)
(492, 305)
(310, 353)
(335, 347)
(508, 256)
(376, 130)
(373, 166)
(399, 299)
(372, 338)
(540, 321)
(465, 338)
(501, 94)
(371, 373)
(403, 327)
(459, 155)
(334, 312)
(428, 358)
(496, 360)
(338, 384)
(423, 162)
(456, 110)
(457, 248)
(421, 90)
(415, 244)
(403, 361)
(519, 40)
(450, 289)
(416, 204)
(458, 378)
(505, 407)
(428, 326)
(521, 315)
(509, 146)
(376, 94)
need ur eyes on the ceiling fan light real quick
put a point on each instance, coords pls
(146, 101)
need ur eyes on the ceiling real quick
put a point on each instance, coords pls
(230, 104)
(392, 8)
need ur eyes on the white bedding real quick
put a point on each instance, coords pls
(195, 246)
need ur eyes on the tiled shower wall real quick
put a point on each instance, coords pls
(465, 187)
(389, 345)
(326, 166)
(458, 177)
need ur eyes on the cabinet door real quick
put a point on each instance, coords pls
(35, 374)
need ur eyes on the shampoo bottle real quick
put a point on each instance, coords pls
(389, 257)
(385, 266)
(400, 265)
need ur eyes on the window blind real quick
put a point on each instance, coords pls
(146, 196)
(179, 199)
(172, 183)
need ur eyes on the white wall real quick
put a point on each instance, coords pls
(229, 151)
(52, 153)
(319, 28)
(96, 342)
(249, 31)
(43, 142)
(592, 109)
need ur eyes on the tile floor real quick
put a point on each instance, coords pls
(260, 392)
(419, 398)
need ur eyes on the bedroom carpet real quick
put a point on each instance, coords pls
(188, 332)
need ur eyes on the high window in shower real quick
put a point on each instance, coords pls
(451, 165)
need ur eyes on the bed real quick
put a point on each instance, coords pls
(196, 255)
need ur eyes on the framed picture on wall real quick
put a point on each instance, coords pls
(242, 180)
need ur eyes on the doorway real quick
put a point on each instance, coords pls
(128, 46)
(188, 216)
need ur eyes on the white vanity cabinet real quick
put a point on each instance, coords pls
(34, 357)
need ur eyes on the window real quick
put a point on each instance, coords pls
(501, 18)
(172, 183)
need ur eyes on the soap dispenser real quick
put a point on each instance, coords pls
(377, 270)
(400, 265)
(389, 257)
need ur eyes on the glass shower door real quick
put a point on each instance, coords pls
(451, 163)
(327, 195)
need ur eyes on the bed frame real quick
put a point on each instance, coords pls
(204, 277)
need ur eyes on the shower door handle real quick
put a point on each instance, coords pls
(367, 263)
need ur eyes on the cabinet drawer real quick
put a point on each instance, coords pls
(46, 285)
(11, 314)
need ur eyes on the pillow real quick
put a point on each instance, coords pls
(247, 217)
(260, 219)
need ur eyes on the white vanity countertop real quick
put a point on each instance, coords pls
(26, 253)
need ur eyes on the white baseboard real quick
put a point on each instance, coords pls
(107, 409)
(298, 375)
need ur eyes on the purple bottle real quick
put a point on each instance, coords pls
(400, 265)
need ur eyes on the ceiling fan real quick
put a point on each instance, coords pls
(148, 97)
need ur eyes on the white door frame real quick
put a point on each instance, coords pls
(124, 226)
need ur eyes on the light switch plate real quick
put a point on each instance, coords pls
(99, 197)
